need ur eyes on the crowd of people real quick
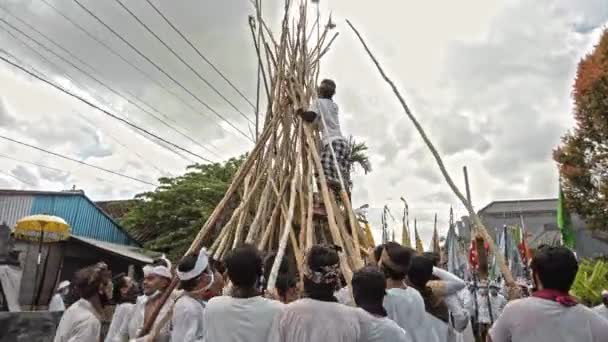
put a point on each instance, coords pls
(400, 296)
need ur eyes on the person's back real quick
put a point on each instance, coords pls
(78, 321)
(230, 319)
(539, 320)
(601, 310)
(383, 329)
(314, 320)
(405, 307)
(551, 314)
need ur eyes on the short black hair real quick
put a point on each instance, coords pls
(433, 256)
(120, 281)
(400, 255)
(244, 265)
(421, 270)
(556, 267)
(327, 89)
(285, 281)
(185, 265)
(269, 262)
(318, 257)
(369, 286)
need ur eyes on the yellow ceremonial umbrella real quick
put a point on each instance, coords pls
(42, 228)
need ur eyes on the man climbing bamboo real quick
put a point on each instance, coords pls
(335, 148)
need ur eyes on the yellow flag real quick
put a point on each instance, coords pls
(419, 247)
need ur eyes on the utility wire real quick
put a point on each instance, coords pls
(32, 163)
(103, 84)
(133, 65)
(160, 144)
(199, 53)
(162, 70)
(100, 109)
(76, 160)
(200, 77)
(17, 178)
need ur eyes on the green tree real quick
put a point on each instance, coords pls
(168, 218)
(357, 157)
(583, 155)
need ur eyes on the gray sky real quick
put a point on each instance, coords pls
(490, 80)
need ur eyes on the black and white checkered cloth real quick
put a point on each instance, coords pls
(341, 149)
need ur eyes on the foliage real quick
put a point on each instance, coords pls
(591, 279)
(583, 155)
(358, 156)
(168, 218)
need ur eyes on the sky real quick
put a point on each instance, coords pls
(489, 80)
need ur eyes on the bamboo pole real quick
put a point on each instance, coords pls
(476, 221)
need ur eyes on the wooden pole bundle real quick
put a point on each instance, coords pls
(275, 184)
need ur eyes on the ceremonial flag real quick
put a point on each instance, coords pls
(564, 223)
(435, 248)
(405, 232)
(419, 247)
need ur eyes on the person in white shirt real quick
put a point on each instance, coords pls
(124, 296)
(58, 301)
(196, 277)
(318, 316)
(602, 309)
(550, 314)
(369, 289)
(157, 278)
(403, 304)
(81, 321)
(244, 316)
(324, 111)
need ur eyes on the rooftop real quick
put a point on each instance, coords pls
(545, 204)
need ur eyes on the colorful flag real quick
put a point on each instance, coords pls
(564, 222)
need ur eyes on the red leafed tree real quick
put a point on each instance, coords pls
(582, 156)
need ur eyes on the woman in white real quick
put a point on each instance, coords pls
(244, 316)
(57, 302)
(318, 316)
(196, 277)
(125, 295)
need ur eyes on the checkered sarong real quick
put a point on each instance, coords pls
(341, 149)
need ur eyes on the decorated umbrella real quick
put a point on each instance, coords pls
(41, 229)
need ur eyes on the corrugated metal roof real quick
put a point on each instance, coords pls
(85, 218)
(549, 204)
(129, 252)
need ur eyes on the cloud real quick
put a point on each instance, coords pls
(6, 118)
(26, 176)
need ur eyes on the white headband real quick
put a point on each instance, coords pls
(202, 262)
(160, 271)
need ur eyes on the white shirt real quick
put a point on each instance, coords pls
(382, 329)
(137, 319)
(118, 328)
(187, 321)
(497, 303)
(328, 109)
(406, 308)
(56, 303)
(79, 322)
(540, 320)
(344, 296)
(312, 320)
(601, 310)
(229, 319)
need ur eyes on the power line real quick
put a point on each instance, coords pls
(134, 66)
(32, 163)
(100, 109)
(199, 53)
(103, 84)
(68, 77)
(182, 60)
(162, 70)
(76, 160)
(17, 178)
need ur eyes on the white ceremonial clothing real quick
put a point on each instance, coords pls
(137, 320)
(344, 296)
(539, 320)
(118, 328)
(187, 321)
(229, 319)
(497, 303)
(406, 308)
(601, 310)
(382, 329)
(459, 314)
(452, 284)
(313, 320)
(80, 322)
(57, 303)
(329, 110)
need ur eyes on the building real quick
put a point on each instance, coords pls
(95, 237)
(539, 218)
